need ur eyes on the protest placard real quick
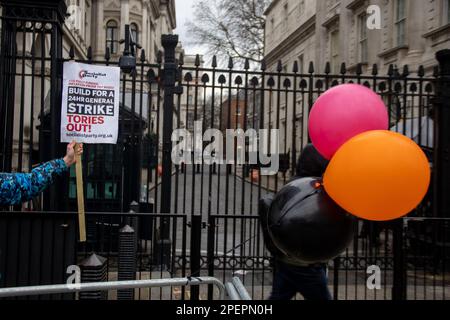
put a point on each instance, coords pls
(90, 103)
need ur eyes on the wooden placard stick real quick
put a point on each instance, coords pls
(80, 195)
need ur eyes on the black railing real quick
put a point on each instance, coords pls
(227, 246)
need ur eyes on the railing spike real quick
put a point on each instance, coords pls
(375, 69)
(279, 66)
(295, 67)
(107, 54)
(89, 53)
(263, 65)
(247, 64)
(311, 67)
(327, 68)
(71, 53)
(197, 60)
(230, 63)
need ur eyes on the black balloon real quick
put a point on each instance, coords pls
(307, 225)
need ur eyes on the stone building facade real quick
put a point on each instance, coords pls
(101, 24)
(410, 33)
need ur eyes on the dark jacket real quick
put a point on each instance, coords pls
(311, 163)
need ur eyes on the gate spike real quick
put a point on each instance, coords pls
(279, 66)
(230, 63)
(142, 55)
(344, 68)
(263, 65)
(197, 60)
(89, 53)
(246, 64)
(71, 53)
(391, 70)
(375, 69)
(327, 68)
(214, 61)
(359, 69)
(405, 70)
(295, 67)
(421, 71)
(107, 54)
(311, 67)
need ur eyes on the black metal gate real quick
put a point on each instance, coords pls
(200, 219)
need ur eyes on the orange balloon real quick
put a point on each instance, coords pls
(378, 176)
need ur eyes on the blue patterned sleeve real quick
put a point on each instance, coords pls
(16, 188)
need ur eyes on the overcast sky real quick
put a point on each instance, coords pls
(184, 12)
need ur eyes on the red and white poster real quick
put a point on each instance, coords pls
(90, 103)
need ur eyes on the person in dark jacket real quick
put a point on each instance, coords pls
(291, 277)
(16, 188)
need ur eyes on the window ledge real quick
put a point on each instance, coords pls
(355, 4)
(392, 51)
(331, 20)
(437, 32)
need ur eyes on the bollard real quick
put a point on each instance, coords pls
(127, 261)
(93, 269)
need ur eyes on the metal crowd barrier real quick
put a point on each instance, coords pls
(235, 290)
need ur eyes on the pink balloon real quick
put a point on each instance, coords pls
(343, 112)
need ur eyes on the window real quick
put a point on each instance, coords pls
(334, 50)
(134, 33)
(400, 22)
(362, 38)
(111, 36)
(238, 111)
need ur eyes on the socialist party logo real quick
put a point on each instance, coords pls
(86, 74)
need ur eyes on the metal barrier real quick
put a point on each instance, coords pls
(113, 285)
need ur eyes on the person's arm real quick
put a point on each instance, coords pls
(16, 188)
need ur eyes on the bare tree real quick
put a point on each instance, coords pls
(231, 28)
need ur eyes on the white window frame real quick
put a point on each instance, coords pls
(334, 52)
(446, 12)
(112, 40)
(400, 21)
(363, 40)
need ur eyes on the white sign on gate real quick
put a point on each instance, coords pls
(90, 103)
